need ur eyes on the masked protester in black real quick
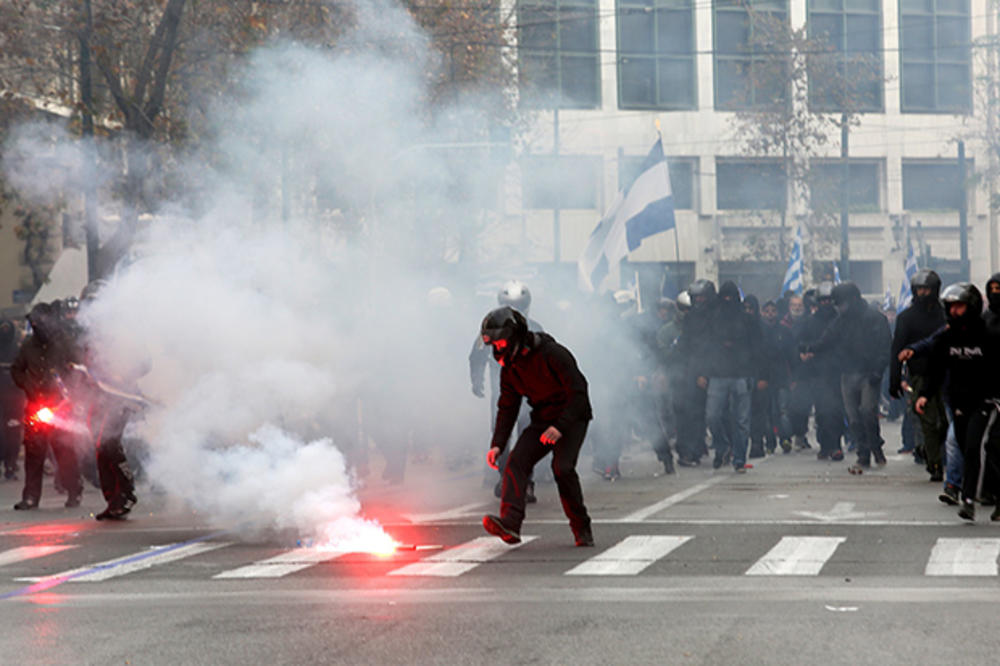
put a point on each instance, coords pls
(823, 377)
(516, 295)
(42, 364)
(535, 366)
(11, 402)
(690, 398)
(920, 320)
(969, 354)
(859, 339)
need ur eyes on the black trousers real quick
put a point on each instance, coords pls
(36, 443)
(528, 451)
(11, 411)
(117, 481)
(975, 429)
(829, 399)
(689, 407)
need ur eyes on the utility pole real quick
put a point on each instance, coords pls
(845, 201)
(90, 187)
(963, 213)
(556, 231)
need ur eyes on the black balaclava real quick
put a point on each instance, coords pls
(993, 299)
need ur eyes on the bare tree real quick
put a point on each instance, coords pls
(800, 91)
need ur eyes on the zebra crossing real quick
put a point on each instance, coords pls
(791, 555)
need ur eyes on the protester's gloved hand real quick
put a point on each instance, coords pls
(479, 390)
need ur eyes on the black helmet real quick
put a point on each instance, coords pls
(925, 277)
(701, 287)
(963, 292)
(44, 320)
(702, 292)
(516, 295)
(844, 295)
(506, 330)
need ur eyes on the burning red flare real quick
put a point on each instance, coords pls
(355, 535)
(45, 415)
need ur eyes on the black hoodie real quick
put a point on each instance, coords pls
(992, 314)
(732, 345)
(547, 375)
(920, 320)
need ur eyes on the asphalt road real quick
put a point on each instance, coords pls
(796, 562)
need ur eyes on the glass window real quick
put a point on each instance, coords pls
(560, 181)
(656, 65)
(744, 185)
(742, 76)
(931, 185)
(558, 53)
(681, 177)
(850, 77)
(935, 56)
(825, 186)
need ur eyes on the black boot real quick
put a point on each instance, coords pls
(584, 537)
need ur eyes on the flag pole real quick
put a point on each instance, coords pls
(677, 240)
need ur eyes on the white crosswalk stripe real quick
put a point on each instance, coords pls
(963, 557)
(15, 555)
(460, 559)
(283, 564)
(796, 556)
(629, 556)
(121, 566)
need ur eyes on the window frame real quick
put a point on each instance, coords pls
(555, 51)
(746, 56)
(751, 162)
(657, 56)
(934, 60)
(843, 61)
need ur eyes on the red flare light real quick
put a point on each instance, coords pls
(45, 415)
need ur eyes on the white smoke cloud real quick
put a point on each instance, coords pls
(258, 334)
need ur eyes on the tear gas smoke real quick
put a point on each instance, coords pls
(260, 335)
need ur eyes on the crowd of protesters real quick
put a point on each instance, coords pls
(714, 376)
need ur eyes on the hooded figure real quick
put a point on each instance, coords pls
(920, 320)
(992, 312)
(858, 340)
(728, 362)
(44, 357)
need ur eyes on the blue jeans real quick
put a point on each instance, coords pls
(954, 461)
(727, 411)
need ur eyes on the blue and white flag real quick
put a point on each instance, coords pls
(909, 270)
(836, 274)
(887, 299)
(793, 275)
(643, 208)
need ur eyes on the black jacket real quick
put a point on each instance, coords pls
(915, 323)
(547, 375)
(969, 356)
(824, 365)
(859, 340)
(731, 345)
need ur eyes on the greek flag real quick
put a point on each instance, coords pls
(909, 270)
(836, 273)
(793, 275)
(644, 208)
(887, 299)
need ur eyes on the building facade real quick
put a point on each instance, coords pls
(614, 69)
